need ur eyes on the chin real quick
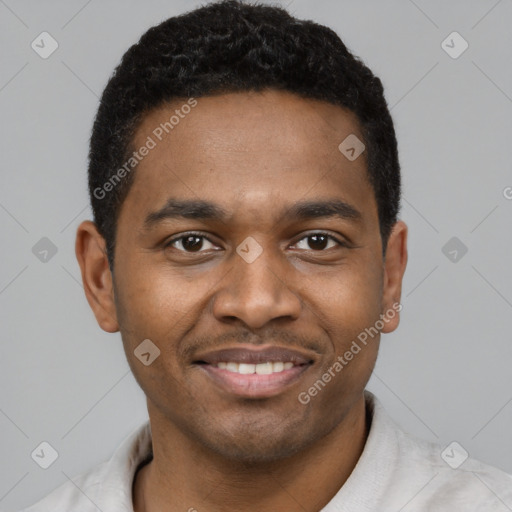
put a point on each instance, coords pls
(253, 444)
(254, 455)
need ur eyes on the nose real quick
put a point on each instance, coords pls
(256, 293)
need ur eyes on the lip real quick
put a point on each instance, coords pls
(254, 385)
(252, 355)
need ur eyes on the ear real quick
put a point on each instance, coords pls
(394, 268)
(90, 250)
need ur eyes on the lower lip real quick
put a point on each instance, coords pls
(253, 385)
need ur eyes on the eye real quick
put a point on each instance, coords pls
(191, 242)
(319, 242)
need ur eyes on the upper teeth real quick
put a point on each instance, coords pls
(261, 368)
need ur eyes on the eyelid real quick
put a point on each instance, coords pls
(340, 241)
(182, 236)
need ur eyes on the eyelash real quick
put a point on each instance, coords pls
(201, 235)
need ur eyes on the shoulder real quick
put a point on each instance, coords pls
(107, 486)
(413, 474)
(448, 478)
(76, 494)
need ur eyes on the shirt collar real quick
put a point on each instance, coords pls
(362, 491)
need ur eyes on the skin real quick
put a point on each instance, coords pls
(255, 155)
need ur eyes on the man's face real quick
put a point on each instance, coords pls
(265, 274)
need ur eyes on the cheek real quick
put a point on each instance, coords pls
(149, 294)
(350, 308)
(154, 305)
(160, 304)
(348, 299)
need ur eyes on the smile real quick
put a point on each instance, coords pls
(260, 368)
(251, 372)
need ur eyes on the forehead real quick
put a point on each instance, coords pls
(248, 150)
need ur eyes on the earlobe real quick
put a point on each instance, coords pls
(96, 275)
(394, 269)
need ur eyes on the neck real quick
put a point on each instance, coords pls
(183, 476)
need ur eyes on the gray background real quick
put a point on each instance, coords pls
(444, 375)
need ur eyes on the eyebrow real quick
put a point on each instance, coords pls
(319, 209)
(185, 209)
(207, 210)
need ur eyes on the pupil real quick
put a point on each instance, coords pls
(317, 241)
(192, 243)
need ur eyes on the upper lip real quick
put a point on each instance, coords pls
(254, 355)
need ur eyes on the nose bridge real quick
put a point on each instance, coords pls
(256, 291)
(260, 276)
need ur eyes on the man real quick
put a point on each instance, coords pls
(245, 184)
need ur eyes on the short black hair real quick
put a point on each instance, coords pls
(233, 46)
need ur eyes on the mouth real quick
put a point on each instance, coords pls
(254, 373)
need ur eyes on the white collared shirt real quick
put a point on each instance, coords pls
(395, 473)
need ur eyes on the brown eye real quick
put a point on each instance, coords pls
(190, 243)
(318, 242)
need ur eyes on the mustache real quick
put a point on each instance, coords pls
(284, 339)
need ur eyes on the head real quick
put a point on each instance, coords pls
(226, 215)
